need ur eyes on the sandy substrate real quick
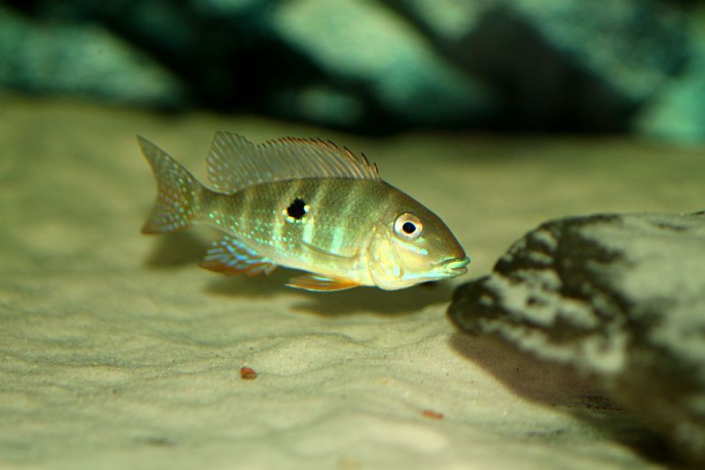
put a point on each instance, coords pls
(118, 351)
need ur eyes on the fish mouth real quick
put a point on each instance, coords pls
(455, 266)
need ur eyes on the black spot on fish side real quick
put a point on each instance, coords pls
(297, 209)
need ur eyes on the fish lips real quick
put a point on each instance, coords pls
(455, 266)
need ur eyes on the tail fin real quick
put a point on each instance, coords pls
(178, 192)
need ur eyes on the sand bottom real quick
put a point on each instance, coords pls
(118, 351)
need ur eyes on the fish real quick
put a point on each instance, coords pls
(306, 204)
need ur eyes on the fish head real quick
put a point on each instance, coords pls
(412, 246)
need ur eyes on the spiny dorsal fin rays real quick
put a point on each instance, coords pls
(235, 163)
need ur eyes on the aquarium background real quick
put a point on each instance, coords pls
(626, 66)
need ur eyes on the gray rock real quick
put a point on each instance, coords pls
(620, 298)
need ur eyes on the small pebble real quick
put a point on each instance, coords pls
(247, 373)
(432, 414)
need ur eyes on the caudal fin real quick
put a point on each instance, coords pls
(178, 192)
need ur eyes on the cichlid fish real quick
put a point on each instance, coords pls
(304, 204)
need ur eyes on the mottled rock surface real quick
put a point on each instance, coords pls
(620, 298)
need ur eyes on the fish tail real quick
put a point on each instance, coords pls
(178, 192)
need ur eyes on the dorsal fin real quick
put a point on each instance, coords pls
(235, 163)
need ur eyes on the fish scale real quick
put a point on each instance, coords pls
(304, 204)
(330, 225)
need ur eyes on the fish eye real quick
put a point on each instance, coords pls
(408, 226)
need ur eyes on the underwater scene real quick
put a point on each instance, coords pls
(352, 234)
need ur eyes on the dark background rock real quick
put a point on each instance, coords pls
(619, 298)
(375, 66)
(563, 65)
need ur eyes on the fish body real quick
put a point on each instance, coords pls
(304, 204)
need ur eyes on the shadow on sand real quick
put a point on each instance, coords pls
(186, 248)
(563, 388)
(358, 300)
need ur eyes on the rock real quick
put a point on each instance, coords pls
(338, 63)
(677, 113)
(375, 66)
(632, 45)
(220, 51)
(562, 65)
(366, 47)
(84, 60)
(620, 298)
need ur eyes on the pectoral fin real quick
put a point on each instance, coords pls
(316, 283)
(230, 256)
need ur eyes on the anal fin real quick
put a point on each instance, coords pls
(317, 283)
(230, 256)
